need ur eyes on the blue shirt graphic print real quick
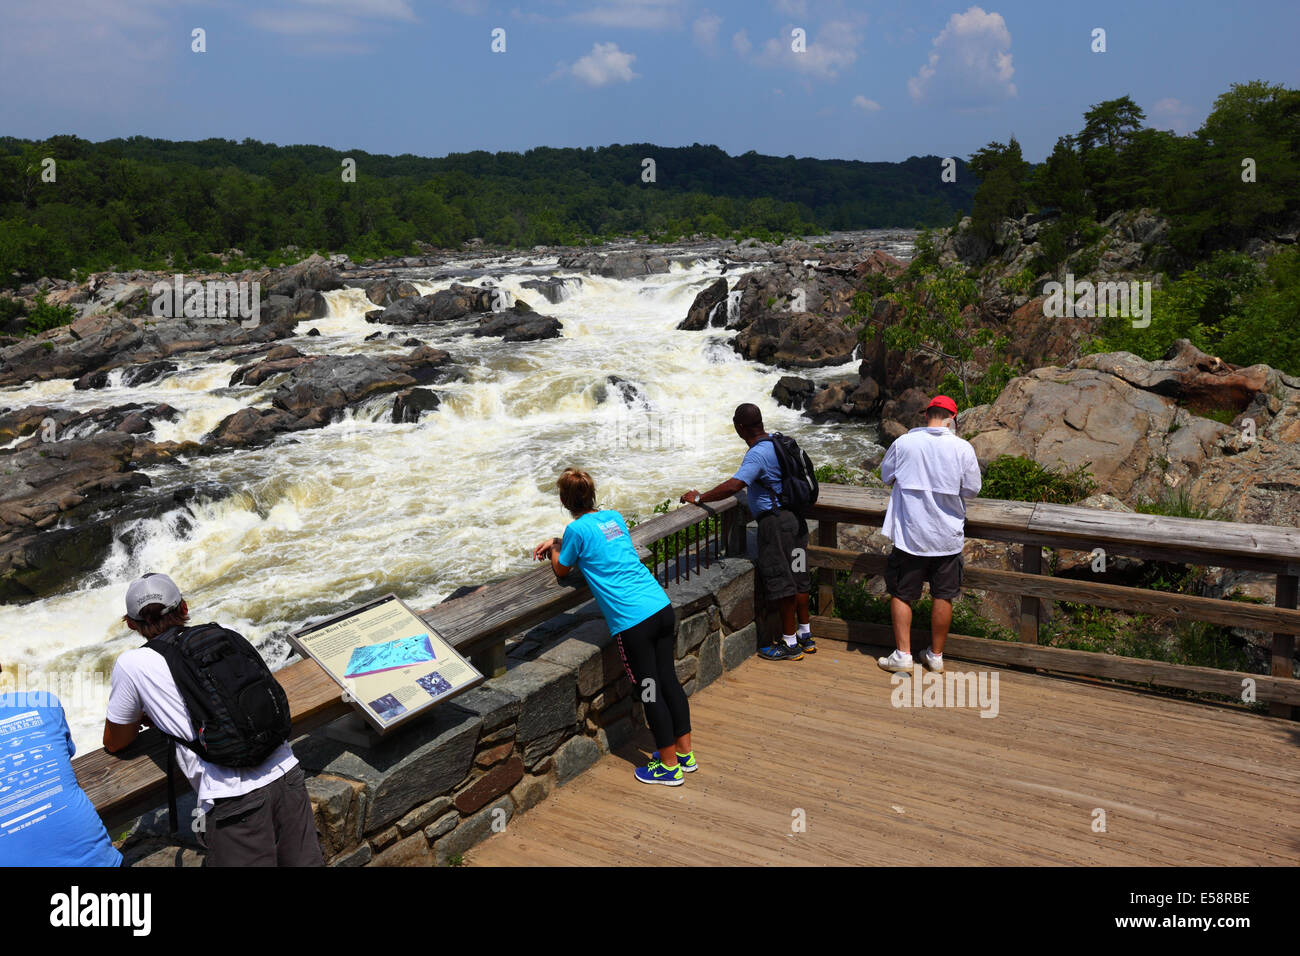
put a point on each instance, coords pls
(599, 545)
(46, 819)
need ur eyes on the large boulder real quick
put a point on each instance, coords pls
(709, 307)
(554, 289)
(796, 340)
(457, 302)
(518, 324)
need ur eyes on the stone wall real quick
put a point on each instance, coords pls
(428, 792)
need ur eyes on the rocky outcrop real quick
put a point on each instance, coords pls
(318, 388)
(793, 392)
(457, 302)
(519, 323)
(102, 343)
(617, 265)
(709, 308)
(387, 291)
(64, 497)
(409, 404)
(554, 289)
(1134, 425)
(796, 340)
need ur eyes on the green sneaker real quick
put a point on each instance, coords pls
(685, 761)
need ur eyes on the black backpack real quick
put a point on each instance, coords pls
(239, 710)
(799, 488)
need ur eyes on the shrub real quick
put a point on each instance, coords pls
(1014, 478)
(44, 316)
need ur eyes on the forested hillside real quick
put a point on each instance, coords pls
(150, 202)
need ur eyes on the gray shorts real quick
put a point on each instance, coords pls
(783, 555)
(905, 573)
(270, 826)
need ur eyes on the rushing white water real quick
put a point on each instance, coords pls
(321, 519)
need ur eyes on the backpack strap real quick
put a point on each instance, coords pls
(776, 495)
(164, 645)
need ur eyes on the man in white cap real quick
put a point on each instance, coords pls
(932, 471)
(252, 816)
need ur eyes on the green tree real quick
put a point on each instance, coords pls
(932, 318)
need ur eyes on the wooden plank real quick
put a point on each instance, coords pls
(1093, 526)
(1149, 537)
(827, 537)
(1139, 600)
(1159, 673)
(1284, 644)
(1031, 562)
(942, 787)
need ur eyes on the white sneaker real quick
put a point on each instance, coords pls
(895, 662)
(935, 663)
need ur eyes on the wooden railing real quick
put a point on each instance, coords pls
(125, 785)
(1221, 544)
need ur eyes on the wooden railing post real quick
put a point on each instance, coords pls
(491, 661)
(827, 537)
(1031, 562)
(1284, 644)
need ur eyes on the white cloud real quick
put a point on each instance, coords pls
(970, 63)
(705, 30)
(833, 49)
(605, 64)
(332, 26)
(633, 14)
(382, 9)
(740, 42)
(92, 59)
(1172, 114)
(866, 105)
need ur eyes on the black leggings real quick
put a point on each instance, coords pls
(648, 651)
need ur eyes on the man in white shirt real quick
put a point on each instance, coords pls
(932, 471)
(252, 816)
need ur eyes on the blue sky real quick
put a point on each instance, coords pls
(875, 81)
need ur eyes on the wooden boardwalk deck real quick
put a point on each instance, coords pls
(1180, 783)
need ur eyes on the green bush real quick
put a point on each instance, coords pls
(983, 390)
(45, 316)
(1178, 504)
(1014, 478)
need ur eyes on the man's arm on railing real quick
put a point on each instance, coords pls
(716, 493)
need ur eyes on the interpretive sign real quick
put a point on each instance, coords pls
(391, 664)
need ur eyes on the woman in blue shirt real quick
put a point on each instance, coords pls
(638, 613)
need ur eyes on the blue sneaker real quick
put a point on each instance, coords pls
(780, 651)
(685, 761)
(655, 772)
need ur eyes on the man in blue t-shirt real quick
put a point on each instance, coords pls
(45, 817)
(782, 535)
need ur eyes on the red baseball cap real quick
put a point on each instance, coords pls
(944, 402)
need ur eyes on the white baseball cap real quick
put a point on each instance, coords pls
(152, 589)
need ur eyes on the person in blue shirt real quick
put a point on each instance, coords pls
(638, 613)
(782, 535)
(45, 817)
